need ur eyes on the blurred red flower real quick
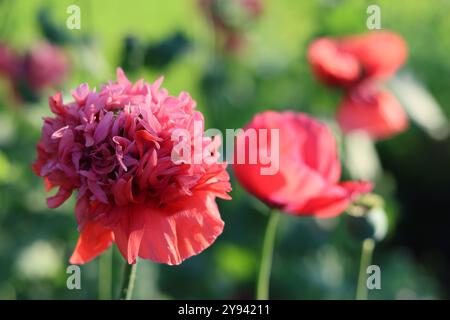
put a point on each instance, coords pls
(380, 53)
(344, 62)
(307, 182)
(115, 147)
(373, 110)
(357, 64)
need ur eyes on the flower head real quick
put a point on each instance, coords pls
(307, 182)
(346, 61)
(115, 148)
(44, 65)
(358, 64)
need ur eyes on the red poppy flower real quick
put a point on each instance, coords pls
(375, 111)
(307, 182)
(115, 148)
(343, 62)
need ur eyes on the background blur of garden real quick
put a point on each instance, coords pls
(267, 70)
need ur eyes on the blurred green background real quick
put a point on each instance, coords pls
(313, 259)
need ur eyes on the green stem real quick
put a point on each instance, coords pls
(129, 278)
(105, 275)
(366, 258)
(262, 289)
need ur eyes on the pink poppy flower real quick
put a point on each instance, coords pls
(307, 182)
(43, 66)
(115, 148)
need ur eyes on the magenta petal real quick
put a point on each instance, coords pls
(59, 198)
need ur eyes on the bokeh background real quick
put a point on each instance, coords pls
(263, 67)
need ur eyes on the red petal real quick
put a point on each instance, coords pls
(93, 240)
(331, 202)
(181, 230)
(380, 53)
(373, 111)
(122, 191)
(128, 229)
(355, 188)
(335, 199)
(331, 65)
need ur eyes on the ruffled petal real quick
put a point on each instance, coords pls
(181, 230)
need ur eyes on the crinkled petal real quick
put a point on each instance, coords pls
(181, 230)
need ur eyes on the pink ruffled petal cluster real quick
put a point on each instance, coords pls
(115, 148)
